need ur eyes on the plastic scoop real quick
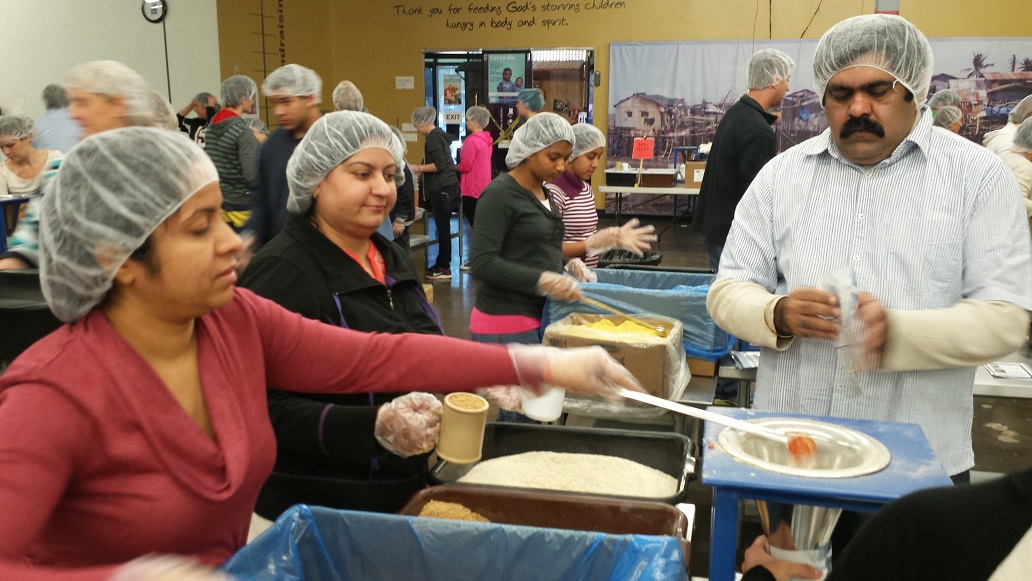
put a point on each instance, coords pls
(801, 447)
(659, 329)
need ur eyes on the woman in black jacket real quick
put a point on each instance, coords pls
(328, 263)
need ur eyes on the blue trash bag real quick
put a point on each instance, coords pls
(320, 544)
(679, 295)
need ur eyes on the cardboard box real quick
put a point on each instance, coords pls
(702, 368)
(693, 173)
(649, 361)
(428, 289)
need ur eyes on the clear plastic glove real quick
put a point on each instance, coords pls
(582, 370)
(506, 397)
(250, 243)
(630, 236)
(409, 425)
(577, 269)
(167, 568)
(398, 228)
(558, 286)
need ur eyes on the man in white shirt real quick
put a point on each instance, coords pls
(999, 141)
(926, 225)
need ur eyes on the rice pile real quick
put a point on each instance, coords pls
(450, 510)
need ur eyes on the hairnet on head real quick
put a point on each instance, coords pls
(112, 191)
(293, 81)
(1023, 137)
(237, 89)
(162, 112)
(479, 115)
(1021, 111)
(768, 67)
(947, 116)
(943, 98)
(55, 97)
(114, 79)
(16, 126)
(586, 137)
(330, 142)
(539, 132)
(401, 138)
(256, 124)
(424, 116)
(347, 97)
(883, 41)
(533, 99)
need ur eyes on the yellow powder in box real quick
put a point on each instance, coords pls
(466, 401)
(626, 327)
(450, 510)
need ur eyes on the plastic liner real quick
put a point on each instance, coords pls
(680, 295)
(669, 453)
(317, 544)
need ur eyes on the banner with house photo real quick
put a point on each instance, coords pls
(677, 92)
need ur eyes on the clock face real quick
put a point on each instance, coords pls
(154, 10)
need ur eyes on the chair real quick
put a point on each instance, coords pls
(24, 315)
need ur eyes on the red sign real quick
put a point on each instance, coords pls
(644, 148)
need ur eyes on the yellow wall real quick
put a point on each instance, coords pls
(369, 43)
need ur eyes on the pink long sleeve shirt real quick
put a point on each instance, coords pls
(99, 464)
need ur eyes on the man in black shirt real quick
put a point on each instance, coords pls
(743, 144)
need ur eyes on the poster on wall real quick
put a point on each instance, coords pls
(506, 75)
(682, 96)
(451, 89)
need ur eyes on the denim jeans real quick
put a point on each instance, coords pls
(532, 337)
(440, 205)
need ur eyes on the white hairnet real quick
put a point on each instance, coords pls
(943, 98)
(293, 81)
(333, 139)
(114, 79)
(236, 90)
(401, 137)
(479, 115)
(256, 124)
(1021, 111)
(882, 41)
(539, 132)
(769, 67)
(347, 97)
(586, 137)
(112, 191)
(947, 116)
(162, 112)
(424, 116)
(1023, 137)
(16, 127)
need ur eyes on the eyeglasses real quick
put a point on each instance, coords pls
(877, 91)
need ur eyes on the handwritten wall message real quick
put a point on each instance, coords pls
(506, 15)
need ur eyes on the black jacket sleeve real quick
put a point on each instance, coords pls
(258, 224)
(309, 426)
(403, 208)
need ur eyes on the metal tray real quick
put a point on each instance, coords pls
(841, 452)
(667, 452)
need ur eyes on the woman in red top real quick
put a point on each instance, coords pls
(140, 427)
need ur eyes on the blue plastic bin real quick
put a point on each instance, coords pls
(317, 544)
(680, 295)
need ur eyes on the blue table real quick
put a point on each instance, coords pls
(913, 467)
(14, 202)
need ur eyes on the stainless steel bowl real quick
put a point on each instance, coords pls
(841, 452)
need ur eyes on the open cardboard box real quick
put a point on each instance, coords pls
(657, 362)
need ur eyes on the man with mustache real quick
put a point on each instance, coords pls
(924, 229)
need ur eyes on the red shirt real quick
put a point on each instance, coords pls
(99, 464)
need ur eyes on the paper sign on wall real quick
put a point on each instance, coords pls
(452, 117)
(404, 82)
(410, 137)
(644, 148)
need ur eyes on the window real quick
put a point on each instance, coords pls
(644, 113)
(630, 114)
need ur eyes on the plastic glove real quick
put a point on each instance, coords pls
(506, 397)
(630, 236)
(582, 370)
(558, 286)
(577, 269)
(398, 228)
(167, 568)
(409, 425)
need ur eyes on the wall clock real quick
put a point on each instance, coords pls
(154, 10)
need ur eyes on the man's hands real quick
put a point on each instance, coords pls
(808, 312)
(782, 570)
